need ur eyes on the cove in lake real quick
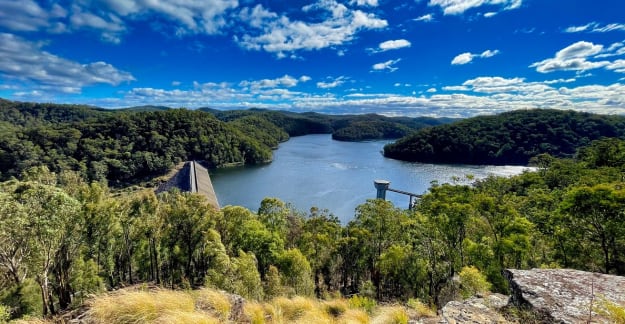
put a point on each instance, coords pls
(314, 170)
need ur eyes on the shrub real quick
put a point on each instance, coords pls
(5, 313)
(365, 303)
(472, 282)
(422, 309)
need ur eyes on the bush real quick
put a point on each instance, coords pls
(5, 313)
(472, 282)
(365, 303)
(422, 309)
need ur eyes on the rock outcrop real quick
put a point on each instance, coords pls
(564, 295)
(475, 310)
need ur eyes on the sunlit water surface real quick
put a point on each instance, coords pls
(314, 170)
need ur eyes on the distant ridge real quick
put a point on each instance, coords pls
(146, 108)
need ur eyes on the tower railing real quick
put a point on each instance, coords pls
(382, 186)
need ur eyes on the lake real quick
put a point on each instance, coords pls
(314, 170)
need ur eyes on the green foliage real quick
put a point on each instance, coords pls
(5, 314)
(508, 138)
(613, 312)
(296, 272)
(22, 299)
(365, 303)
(247, 279)
(472, 282)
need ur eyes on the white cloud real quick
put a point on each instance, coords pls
(176, 83)
(333, 83)
(371, 3)
(457, 7)
(207, 16)
(281, 34)
(572, 58)
(595, 27)
(425, 18)
(431, 90)
(28, 15)
(481, 95)
(489, 53)
(27, 62)
(617, 66)
(490, 14)
(463, 58)
(394, 44)
(388, 65)
(467, 57)
(256, 17)
(284, 81)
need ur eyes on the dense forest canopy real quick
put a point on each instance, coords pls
(62, 238)
(508, 138)
(128, 145)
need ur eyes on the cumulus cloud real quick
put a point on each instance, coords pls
(463, 58)
(388, 65)
(617, 66)
(27, 62)
(572, 58)
(467, 57)
(457, 7)
(595, 27)
(393, 45)
(332, 83)
(110, 17)
(284, 81)
(28, 15)
(193, 16)
(371, 3)
(282, 35)
(425, 18)
(481, 95)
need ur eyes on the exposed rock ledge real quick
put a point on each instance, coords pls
(564, 295)
(549, 295)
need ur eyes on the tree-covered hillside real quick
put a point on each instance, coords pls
(342, 127)
(124, 147)
(127, 145)
(509, 138)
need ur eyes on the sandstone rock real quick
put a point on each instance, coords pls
(564, 295)
(475, 310)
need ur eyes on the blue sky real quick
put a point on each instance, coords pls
(451, 58)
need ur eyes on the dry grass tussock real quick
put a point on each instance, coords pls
(211, 306)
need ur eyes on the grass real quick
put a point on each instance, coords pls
(211, 306)
(214, 302)
(421, 309)
(141, 307)
(391, 315)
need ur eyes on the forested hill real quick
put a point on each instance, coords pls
(508, 138)
(122, 147)
(127, 145)
(342, 127)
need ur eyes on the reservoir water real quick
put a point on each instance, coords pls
(315, 170)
